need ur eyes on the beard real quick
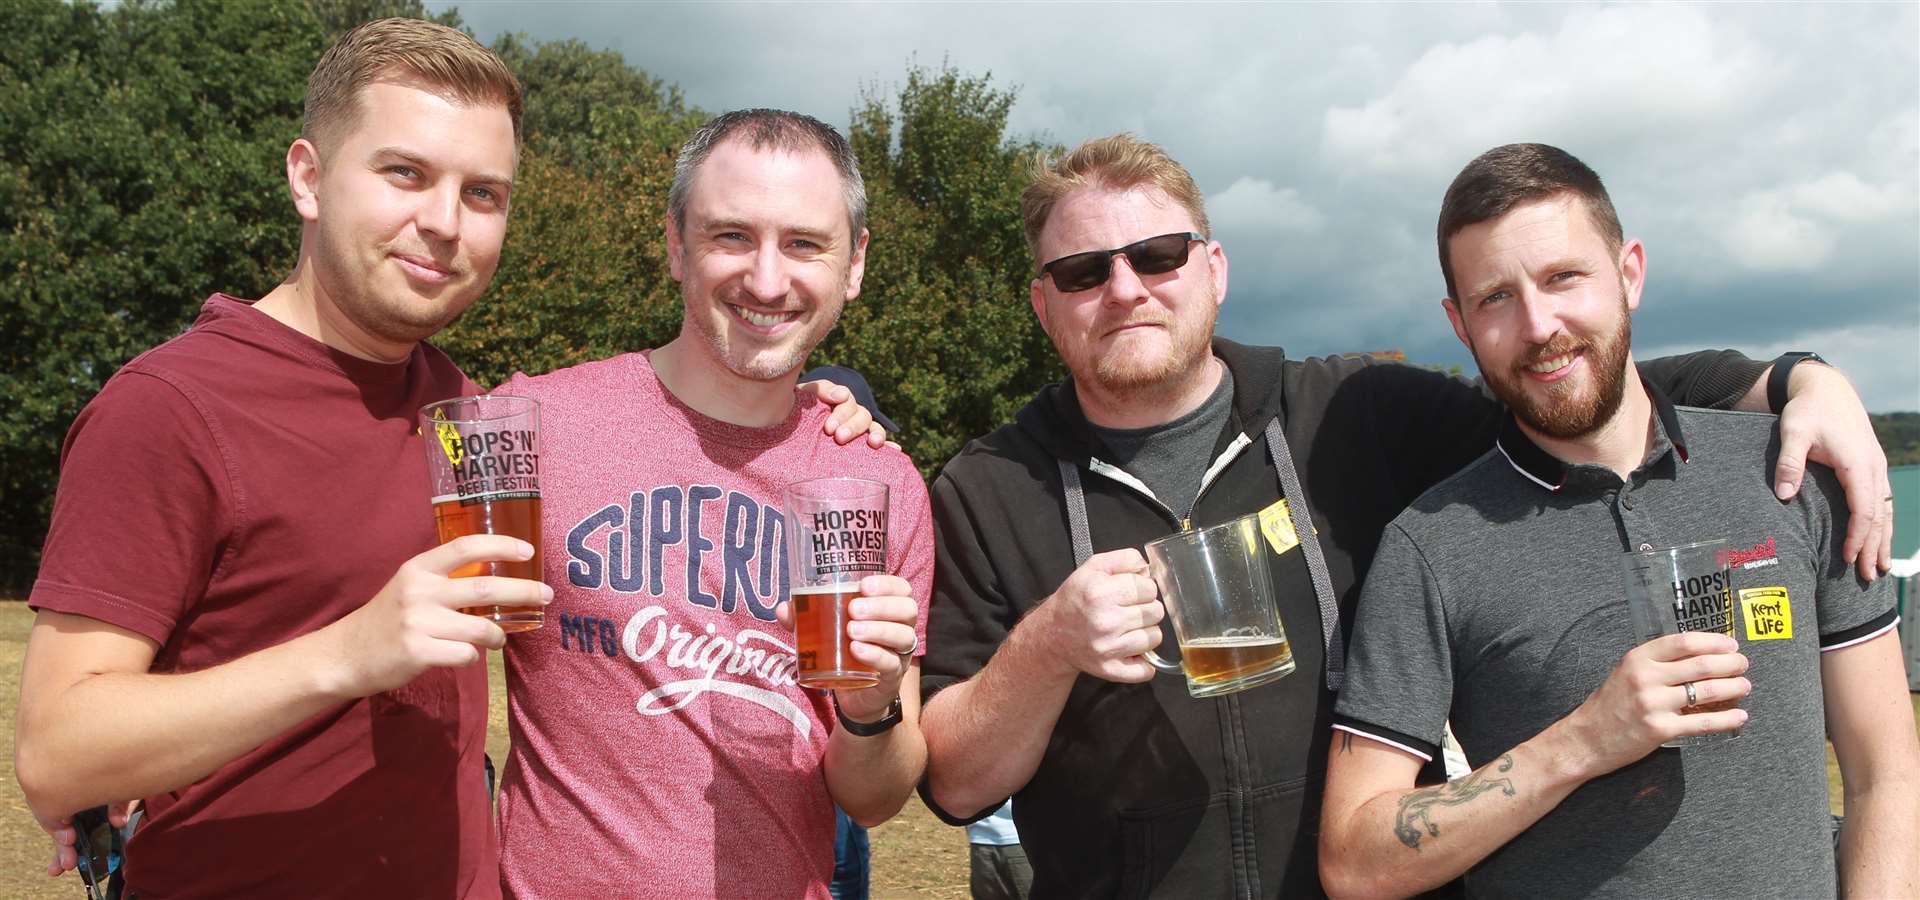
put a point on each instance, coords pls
(1127, 376)
(1566, 412)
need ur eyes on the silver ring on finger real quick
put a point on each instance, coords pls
(1692, 698)
(908, 653)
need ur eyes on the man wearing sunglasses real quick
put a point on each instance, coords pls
(1125, 785)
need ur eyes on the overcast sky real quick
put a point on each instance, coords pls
(1768, 155)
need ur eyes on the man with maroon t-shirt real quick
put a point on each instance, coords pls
(236, 621)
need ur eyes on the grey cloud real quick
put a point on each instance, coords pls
(1768, 154)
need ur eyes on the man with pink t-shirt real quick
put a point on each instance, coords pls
(661, 745)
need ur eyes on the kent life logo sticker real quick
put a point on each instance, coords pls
(1769, 613)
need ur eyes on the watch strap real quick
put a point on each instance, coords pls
(1782, 371)
(869, 729)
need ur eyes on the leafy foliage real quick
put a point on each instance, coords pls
(584, 272)
(943, 329)
(1899, 435)
(141, 168)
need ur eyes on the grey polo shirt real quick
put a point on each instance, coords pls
(1497, 598)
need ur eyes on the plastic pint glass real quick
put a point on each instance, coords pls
(1217, 591)
(483, 458)
(836, 535)
(1684, 588)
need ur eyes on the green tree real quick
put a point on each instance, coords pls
(943, 328)
(591, 108)
(337, 16)
(584, 272)
(1899, 435)
(140, 167)
(141, 152)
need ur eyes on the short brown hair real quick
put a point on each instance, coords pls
(444, 59)
(1507, 176)
(1117, 162)
(778, 129)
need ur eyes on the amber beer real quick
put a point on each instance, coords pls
(821, 642)
(483, 462)
(520, 518)
(1215, 584)
(1224, 660)
(836, 535)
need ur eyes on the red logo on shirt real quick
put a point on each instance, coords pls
(1735, 559)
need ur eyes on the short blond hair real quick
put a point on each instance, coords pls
(441, 59)
(1116, 162)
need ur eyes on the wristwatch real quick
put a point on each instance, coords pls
(868, 729)
(1783, 370)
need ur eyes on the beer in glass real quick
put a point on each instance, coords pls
(1219, 595)
(836, 535)
(483, 457)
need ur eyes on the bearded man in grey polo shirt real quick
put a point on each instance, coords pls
(1496, 598)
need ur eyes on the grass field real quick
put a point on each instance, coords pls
(915, 855)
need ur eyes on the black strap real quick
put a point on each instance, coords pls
(1782, 371)
(1297, 502)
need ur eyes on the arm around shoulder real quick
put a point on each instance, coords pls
(1824, 421)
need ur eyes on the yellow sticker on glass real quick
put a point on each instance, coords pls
(449, 438)
(1276, 522)
(1769, 613)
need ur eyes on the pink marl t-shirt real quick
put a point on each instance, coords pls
(660, 745)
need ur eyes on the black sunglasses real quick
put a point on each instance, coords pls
(1152, 256)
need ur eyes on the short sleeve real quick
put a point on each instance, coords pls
(1399, 684)
(1711, 379)
(968, 618)
(141, 512)
(1850, 611)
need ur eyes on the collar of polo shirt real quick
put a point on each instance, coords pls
(1550, 472)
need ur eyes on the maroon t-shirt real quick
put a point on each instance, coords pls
(237, 487)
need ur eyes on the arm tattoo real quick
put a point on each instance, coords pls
(1346, 742)
(1416, 806)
